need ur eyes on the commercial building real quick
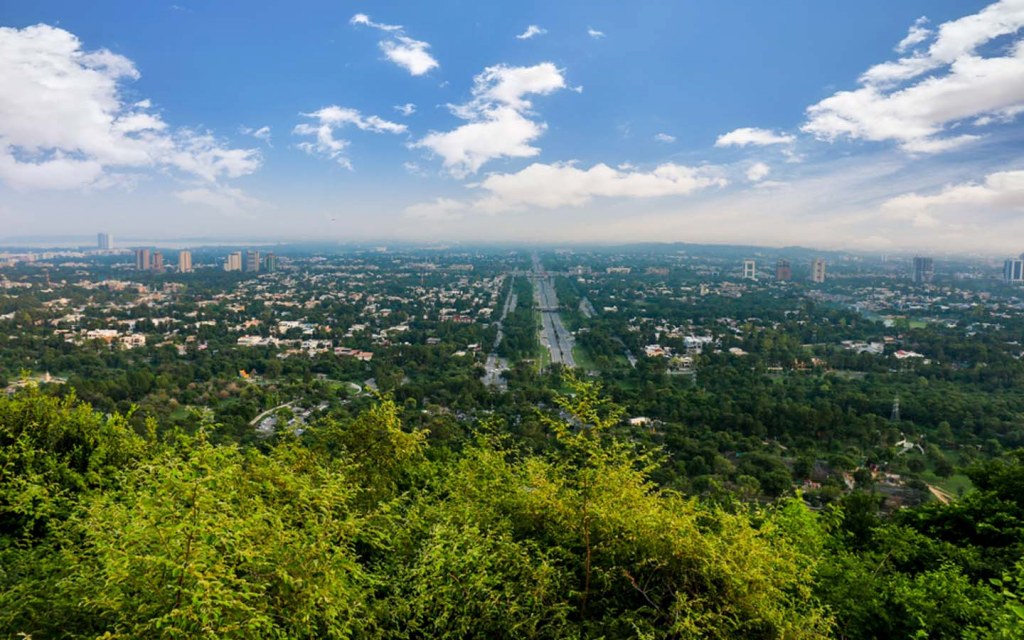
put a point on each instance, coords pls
(185, 261)
(818, 270)
(233, 262)
(252, 261)
(924, 270)
(142, 260)
(158, 262)
(783, 271)
(104, 241)
(270, 263)
(749, 270)
(1013, 270)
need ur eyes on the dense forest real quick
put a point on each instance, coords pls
(367, 527)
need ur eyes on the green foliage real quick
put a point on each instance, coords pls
(359, 528)
(51, 452)
(209, 541)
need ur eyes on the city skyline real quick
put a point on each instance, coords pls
(749, 125)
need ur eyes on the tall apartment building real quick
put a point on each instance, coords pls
(104, 241)
(252, 261)
(1013, 270)
(158, 262)
(270, 263)
(818, 270)
(749, 270)
(924, 270)
(783, 271)
(142, 260)
(233, 262)
(185, 261)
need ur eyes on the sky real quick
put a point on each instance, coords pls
(872, 125)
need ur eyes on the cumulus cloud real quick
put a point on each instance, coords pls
(1001, 191)
(330, 119)
(551, 186)
(406, 109)
(916, 100)
(594, 33)
(498, 118)
(758, 171)
(408, 53)
(664, 137)
(752, 136)
(531, 31)
(64, 123)
(560, 185)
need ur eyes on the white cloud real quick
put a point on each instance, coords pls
(363, 19)
(594, 33)
(330, 119)
(552, 186)
(752, 136)
(414, 169)
(57, 172)
(225, 199)
(409, 54)
(557, 185)
(664, 137)
(406, 52)
(498, 126)
(437, 210)
(894, 104)
(531, 31)
(263, 133)
(917, 34)
(200, 154)
(955, 40)
(406, 109)
(65, 125)
(758, 171)
(1001, 191)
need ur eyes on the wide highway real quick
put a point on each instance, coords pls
(553, 333)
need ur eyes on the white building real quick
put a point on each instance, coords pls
(233, 262)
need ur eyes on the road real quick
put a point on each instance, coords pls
(553, 333)
(586, 308)
(495, 366)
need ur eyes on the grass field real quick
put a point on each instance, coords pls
(957, 484)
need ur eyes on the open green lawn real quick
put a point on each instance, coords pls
(582, 359)
(956, 484)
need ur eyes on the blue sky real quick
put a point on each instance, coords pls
(869, 125)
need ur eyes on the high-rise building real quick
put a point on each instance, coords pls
(924, 270)
(252, 261)
(104, 241)
(750, 270)
(1013, 270)
(783, 271)
(158, 262)
(142, 259)
(818, 270)
(270, 263)
(185, 261)
(233, 262)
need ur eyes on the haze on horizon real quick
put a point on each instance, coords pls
(871, 126)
